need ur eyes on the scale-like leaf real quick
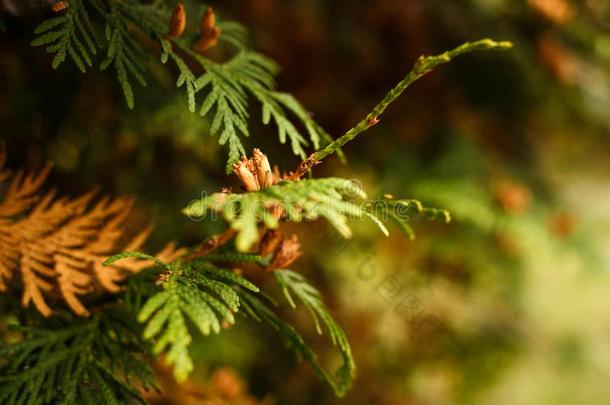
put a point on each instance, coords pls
(195, 291)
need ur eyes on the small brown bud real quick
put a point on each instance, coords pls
(208, 21)
(263, 169)
(209, 33)
(245, 175)
(177, 23)
(59, 6)
(270, 242)
(286, 254)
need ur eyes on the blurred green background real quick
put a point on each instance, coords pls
(508, 304)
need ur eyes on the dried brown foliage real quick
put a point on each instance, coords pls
(283, 250)
(53, 248)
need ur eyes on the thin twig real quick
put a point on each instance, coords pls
(212, 243)
(423, 65)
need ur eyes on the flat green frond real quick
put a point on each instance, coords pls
(317, 134)
(197, 292)
(124, 53)
(334, 199)
(92, 361)
(204, 267)
(343, 377)
(305, 200)
(164, 315)
(226, 88)
(227, 104)
(138, 255)
(186, 77)
(69, 34)
(273, 110)
(231, 257)
(251, 67)
(312, 299)
(233, 33)
(150, 17)
(256, 73)
(403, 213)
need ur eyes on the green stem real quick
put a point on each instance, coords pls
(423, 65)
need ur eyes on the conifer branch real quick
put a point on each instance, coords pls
(227, 85)
(424, 65)
(57, 245)
(312, 299)
(272, 198)
(257, 309)
(75, 361)
(197, 291)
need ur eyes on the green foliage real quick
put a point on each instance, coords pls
(91, 361)
(226, 85)
(207, 296)
(233, 33)
(260, 311)
(234, 257)
(301, 200)
(333, 199)
(73, 33)
(77, 362)
(124, 53)
(69, 34)
(190, 290)
(186, 78)
(402, 213)
(312, 299)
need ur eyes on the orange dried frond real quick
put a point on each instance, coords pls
(21, 193)
(55, 246)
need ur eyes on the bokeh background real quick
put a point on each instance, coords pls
(508, 304)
